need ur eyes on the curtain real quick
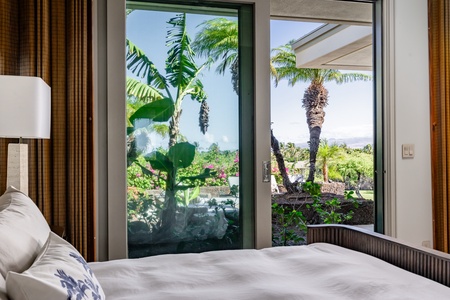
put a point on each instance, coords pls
(52, 40)
(439, 49)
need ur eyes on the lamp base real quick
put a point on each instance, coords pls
(17, 173)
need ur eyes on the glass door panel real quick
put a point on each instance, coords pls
(183, 129)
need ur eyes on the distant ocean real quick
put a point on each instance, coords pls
(355, 142)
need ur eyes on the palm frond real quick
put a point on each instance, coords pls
(283, 66)
(142, 66)
(180, 64)
(142, 91)
(218, 39)
(350, 77)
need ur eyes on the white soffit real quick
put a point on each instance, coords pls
(323, 11)
(334, 46)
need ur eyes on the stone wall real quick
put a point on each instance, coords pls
(336, 188)
(214, 191)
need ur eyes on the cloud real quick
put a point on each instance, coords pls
(355, 136)
(345, 132)
(225, 139)
(209, 137)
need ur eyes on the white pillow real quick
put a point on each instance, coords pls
(23, 231)
(59, 272)
(3, 289)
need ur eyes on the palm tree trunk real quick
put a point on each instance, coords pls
(314, 101)
(314, 141)
(234, 69)
(290, 187)
(358, 186)
(325, 171)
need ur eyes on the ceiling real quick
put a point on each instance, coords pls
(344, 43)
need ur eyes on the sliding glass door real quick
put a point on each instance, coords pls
(189, 103)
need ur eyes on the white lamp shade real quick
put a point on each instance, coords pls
(25, 107)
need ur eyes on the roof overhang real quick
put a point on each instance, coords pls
(334, 46)
(344, 43)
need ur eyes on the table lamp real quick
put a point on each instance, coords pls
(25, 111)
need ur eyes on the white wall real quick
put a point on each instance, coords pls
(412, 123)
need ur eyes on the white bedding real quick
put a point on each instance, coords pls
(318, 271)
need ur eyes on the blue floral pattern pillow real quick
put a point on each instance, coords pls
(59, 272)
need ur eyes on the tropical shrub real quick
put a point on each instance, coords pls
(328, 210)
(289, 225)
(286, 225)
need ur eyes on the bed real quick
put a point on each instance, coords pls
(340, 262)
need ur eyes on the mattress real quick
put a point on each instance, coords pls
(316, 271)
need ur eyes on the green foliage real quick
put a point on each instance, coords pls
(328, 211)
(142, 207)
(218, 41)
(209, 168)
(327, 155)
(234, 190)
(186, 196)
(289, 225)
(142, 176)
(344, 164)
(286, 225)
(355, 165)
(158, 105)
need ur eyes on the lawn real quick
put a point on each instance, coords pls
(367, 194)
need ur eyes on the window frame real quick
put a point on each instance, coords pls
(109, 132)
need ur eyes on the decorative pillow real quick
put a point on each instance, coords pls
(3, 289)
(23, 231)
(59, 272)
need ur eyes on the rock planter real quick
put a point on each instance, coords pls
(362, 215)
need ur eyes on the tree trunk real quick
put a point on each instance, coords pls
(325, 171)
(358, 186)
(174, 127)
(314, 101)
(132, 152)
(314, 140)
(170, 205)
(234, 69)
(290, 187)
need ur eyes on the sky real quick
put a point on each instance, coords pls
(349, 115)
(222, 100)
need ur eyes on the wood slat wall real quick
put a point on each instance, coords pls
(425, 262)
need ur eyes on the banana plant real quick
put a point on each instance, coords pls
(187, 196)
(164, 95)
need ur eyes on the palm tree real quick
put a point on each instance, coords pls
(315, 98)
(326, 153)
(218, 40)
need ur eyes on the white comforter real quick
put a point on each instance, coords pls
(318, 271)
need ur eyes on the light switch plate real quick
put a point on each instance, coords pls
(408, 151)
